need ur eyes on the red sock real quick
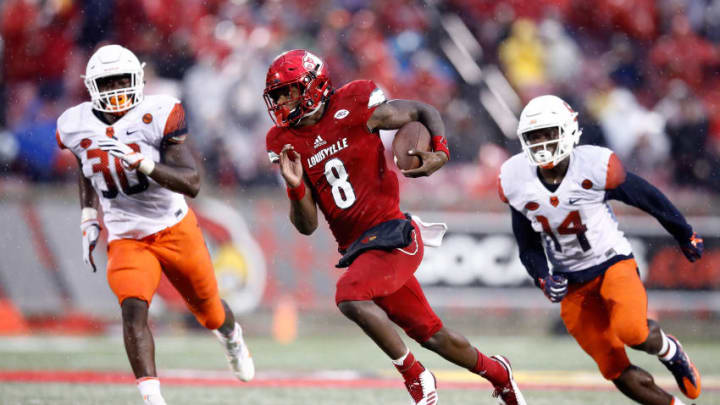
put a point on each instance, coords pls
(490, 369)
(410, 368)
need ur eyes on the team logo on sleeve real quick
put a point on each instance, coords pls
(340, 114)
(147, 118)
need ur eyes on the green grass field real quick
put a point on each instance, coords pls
(550, 371)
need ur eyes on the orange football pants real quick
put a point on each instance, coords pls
(606, 314)
(134, 268)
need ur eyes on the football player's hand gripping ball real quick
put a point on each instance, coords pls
(290, 166)
(554, 286)
(130, 159)
(431, 162)
(90, 233)
(693, 248)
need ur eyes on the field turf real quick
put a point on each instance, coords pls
(335, 369)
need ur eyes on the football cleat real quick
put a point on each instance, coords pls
(153, 399)
(422, 389)
(684, 371)
(508, 393)
(238, 355)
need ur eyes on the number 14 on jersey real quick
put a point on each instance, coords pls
(571, 225)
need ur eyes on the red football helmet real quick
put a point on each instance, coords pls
(304, 70)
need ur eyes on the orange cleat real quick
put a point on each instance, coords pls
(684, 371)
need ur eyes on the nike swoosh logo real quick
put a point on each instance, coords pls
(130, 133)
(574, 200)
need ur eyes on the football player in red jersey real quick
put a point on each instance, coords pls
(330, 155)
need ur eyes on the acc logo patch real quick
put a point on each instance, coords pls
(587, 184)
(340, 114)
(554, 201)
(85, 143)
(147, 118)
(532, 206)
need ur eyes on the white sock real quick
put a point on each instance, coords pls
(668, 349)
(233, 335)
(677, 401)
(401, 360)
(149, 386)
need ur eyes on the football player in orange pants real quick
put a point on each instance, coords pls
(558, 198)
(132, 157)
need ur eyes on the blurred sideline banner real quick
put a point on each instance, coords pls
(261, 259)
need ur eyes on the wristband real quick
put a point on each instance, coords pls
(146, 166)
(439, 144)
(296, 193)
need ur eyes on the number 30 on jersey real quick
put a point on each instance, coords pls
(101, 164)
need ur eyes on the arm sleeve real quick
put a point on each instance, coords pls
(637, 192)
(532, 253)
(175, 130)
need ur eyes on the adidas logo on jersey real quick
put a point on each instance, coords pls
(319, 142)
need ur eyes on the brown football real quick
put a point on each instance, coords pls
(411, 136)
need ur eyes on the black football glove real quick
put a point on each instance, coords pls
(693, 248)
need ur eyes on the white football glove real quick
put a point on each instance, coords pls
(130, 159)
(90, 228)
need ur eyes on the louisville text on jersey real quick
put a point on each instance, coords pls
(325, 152)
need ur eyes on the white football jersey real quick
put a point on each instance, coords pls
(134, 205)
(578, 226)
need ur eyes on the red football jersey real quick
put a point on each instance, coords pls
(345, 162)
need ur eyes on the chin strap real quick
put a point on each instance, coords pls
(313, 111)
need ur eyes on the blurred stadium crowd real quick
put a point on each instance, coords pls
(643, 74)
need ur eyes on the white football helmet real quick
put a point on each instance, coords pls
(547, 112)
(114, 60)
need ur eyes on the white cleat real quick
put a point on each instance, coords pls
(238, 355)
(423, 389)
(153, 399)
(508, 393)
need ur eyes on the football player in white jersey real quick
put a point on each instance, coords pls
(558, 195)
(132, 157)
